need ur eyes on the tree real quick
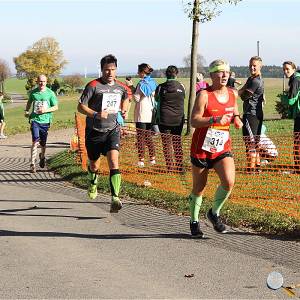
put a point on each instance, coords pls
(4, 73)
(55, 86)
(200, 62)
(72, 82)
(199, 11)
(43, 57)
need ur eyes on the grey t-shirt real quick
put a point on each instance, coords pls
(253, 106)
(98, 96)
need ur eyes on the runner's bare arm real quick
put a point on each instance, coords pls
(236, 115)
(84, 109)
(197, 119)
(49, 109)
(125, 108)
(27, 108)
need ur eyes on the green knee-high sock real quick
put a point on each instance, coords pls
(195, 204)
(221, 196)
(115, 182)
(93, 177)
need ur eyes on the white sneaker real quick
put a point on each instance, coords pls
(141, 164)
(2, 136)
(264, 162)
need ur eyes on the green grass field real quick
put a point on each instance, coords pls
(14, 85)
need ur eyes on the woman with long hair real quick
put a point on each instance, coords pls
(292, 98)
(143, 112)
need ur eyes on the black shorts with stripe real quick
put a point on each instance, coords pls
(252, 130)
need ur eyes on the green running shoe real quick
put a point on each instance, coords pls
(115, 205)
(92, 191)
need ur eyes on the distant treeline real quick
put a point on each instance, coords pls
(240, 72)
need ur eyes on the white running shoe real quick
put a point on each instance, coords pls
(264, 162)
(141, 164)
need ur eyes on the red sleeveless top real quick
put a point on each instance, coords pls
(213, 109)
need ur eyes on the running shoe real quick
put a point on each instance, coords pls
(141, 164)
(195, 230)
(2, 136)
(115, 205)
(32, 168)
(152, 162)
(92, 191)
(216, 222)
(42, 161)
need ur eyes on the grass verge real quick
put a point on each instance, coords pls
(233, 214)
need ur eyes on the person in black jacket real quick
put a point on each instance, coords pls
(292, 99)
(170, 97)
(232, 81)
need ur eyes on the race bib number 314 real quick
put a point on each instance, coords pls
(111, 102)
(215, 140)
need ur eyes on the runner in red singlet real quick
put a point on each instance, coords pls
(213, 111)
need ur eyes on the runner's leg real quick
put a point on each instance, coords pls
(93, 151)
(199, 182)
(226, 171)
(35, 133)
(195, 199)
(114, 179)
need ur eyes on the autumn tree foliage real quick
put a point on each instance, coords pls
(4, 73)
(43, 57)
(72, 82)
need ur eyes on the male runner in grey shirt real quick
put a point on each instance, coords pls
(101, 101)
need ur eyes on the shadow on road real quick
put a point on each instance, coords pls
(94, 236)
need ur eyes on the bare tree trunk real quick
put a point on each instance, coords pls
(194, 49)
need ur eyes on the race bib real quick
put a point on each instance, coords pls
(215, 140)
(111, 102)
(38, 105)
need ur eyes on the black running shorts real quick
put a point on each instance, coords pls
(207, 163)
(98, 143)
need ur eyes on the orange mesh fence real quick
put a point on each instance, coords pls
(276, 187)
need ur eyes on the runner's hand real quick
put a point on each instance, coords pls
(103, 114)
(238, 124)
(124, 114)
(129, 82)
(41, 110)
(225, 119)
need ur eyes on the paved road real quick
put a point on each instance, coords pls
(57, 244)
(17, 100)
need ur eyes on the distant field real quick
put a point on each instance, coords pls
(14, 85)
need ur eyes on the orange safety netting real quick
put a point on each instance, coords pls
(276, 187)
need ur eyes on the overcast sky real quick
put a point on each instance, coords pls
(152, 31)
